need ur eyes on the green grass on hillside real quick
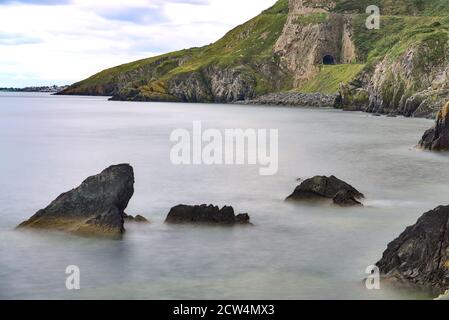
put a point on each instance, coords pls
(396, 34)
(328, 80)
(395, 7)
(246, 46)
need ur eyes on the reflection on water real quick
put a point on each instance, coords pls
(50, 144)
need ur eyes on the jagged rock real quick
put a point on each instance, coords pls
(94, 208)
(138, 218)
(419, 258)
(205, 214)
(321, 187)
(437, 138)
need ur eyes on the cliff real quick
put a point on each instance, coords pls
(308, 46)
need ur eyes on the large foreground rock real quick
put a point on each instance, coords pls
(437, 138)
(321, 187)
(420, 256)
(96, 207)
(205, 214)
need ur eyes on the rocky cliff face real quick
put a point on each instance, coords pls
(211, 84)
(415, 83)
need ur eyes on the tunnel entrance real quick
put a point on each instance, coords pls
(328, 60)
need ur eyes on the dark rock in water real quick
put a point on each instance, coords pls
(138, 218)
(437, 138)
(419, 258)
(346, 198)
(128, 217)
(242, 218)
(321, 187)
(205, 214)
(141, 219)
(94, 208)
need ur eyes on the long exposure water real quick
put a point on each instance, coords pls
(50, 144)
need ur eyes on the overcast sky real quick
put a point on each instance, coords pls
(45, 42)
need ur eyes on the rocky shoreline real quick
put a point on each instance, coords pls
(294, 99)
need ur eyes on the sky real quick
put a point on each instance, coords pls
(45, 42)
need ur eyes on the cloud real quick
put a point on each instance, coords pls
(14, 39)
(67, 41)
(35, 2)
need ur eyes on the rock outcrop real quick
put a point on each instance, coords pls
(205, 214)
(437, 138)
(322, 188)
(419, 258)
(96, 207)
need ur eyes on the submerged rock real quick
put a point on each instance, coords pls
(321, 187)
(346, 198)
(437, 138)
(419, 258)
(205, 214)
(138, 218)
(96, 207)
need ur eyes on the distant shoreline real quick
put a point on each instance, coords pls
(49, 89)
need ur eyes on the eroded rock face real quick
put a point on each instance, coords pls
(205, 214)
(416, 84)
(420, 256)
(321, 187)
(96, 207)
(437, 138)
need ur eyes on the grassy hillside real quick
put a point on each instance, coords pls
(242, 64)
(247, 46)
(329, 78)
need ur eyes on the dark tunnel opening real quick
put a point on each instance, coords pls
(328, 60)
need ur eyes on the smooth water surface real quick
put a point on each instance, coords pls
(50, 144)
